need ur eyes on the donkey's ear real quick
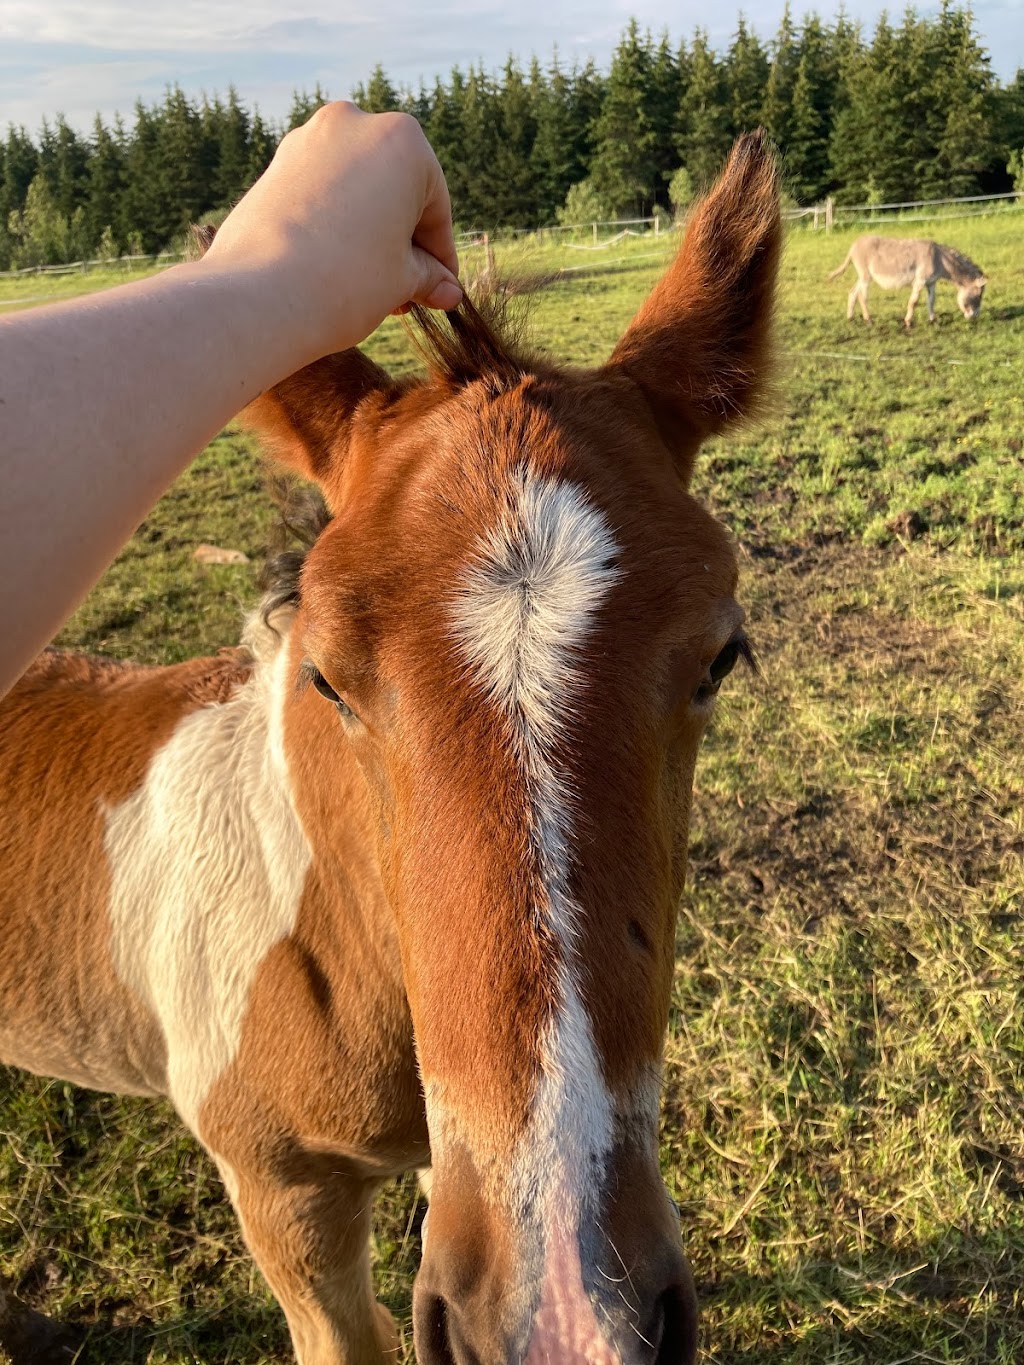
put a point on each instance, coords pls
(698, 348)
(306, 420)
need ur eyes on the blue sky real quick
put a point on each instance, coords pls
(80, 56)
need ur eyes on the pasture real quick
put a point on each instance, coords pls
(843, 1126)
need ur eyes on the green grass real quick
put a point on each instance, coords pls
(844, 1110)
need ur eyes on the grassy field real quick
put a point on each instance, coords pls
(844, 1114)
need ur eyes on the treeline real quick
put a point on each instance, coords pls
(910, 112)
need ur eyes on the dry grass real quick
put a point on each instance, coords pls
(844, 1105)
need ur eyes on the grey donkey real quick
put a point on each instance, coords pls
(895, 261)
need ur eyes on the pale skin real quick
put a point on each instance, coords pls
(104, 400)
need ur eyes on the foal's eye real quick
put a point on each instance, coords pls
(723, 664)
(310, 673)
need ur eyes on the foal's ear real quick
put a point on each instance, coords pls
(698, 348)
(306, 421)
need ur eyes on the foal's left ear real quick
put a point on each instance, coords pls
(699, 347)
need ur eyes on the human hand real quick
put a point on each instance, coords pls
(351, 221)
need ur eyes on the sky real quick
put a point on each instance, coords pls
(80, 57)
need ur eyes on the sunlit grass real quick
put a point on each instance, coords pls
(844, 1110)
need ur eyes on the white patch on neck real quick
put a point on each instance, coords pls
(208, 862)
(522, 617)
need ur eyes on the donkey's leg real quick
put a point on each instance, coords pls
(931, 300)
(862, 285)
(311, 1240)
(851, 300)
(915, 294)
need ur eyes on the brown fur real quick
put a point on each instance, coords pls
(417, 947)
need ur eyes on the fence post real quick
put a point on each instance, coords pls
(829, 204)
(657, 224)
(815, 218)
(488, 256)
(594, 226)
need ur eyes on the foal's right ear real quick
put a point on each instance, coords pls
(698, 348)
(306, 421)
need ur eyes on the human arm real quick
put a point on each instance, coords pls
(105, 399)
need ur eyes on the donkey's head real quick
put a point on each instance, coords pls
(969, 297)
(516, 622)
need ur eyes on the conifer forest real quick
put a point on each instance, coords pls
(909, 111)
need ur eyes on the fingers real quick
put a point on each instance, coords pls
(437, 286)
(434, 231)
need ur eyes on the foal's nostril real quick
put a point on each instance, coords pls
(673, 1334)
(433, 1345)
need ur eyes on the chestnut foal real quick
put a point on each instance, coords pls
(395, 884)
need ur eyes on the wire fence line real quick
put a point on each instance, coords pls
(829, 213)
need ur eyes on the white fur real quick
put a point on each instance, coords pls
(523, 615)
(208, 863)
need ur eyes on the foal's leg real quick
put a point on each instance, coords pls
(931, 301)
(851, 300)
(311, 1240)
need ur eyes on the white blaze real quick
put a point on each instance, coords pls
(522, 617)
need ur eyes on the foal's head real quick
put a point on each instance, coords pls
(516, 623)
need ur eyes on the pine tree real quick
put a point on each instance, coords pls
(746, 76)
(623, 167)
(703, 139)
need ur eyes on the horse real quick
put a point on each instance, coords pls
(393, 885)
(895, 261)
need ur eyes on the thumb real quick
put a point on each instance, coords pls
(436, 287)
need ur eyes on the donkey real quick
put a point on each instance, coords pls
(895, 261)
(394, 885)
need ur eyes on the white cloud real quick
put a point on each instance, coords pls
(80, 56)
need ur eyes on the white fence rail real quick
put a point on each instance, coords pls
(81, 267)
(827, 215)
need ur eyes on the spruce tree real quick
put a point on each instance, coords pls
(304, 106)
(623, 168)
(703, 136)
(106, 182)
(810, 119)
(233, 151)
(967, 145)
(380, 96)
(665, 95)
(553, 161)
(776, 108)
(746, 76)
(515, 192)
(262, 146)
